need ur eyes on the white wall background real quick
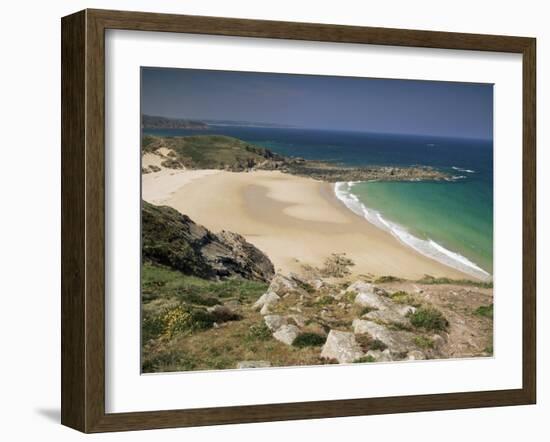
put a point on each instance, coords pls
(30, 217)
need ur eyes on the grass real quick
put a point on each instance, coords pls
(308, 339)
(210, 151)
(402, 297)
(366, 310)
(485, 310)
(258, 332)
(428, 279)
(325, 300)
(376, 344)
(158, 281)
(428, 318)
(364, 359)
(387, 278)
(423, 342)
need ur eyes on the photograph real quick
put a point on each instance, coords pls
(305, 220)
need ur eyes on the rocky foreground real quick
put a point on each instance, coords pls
(300, 321)
(363, 322)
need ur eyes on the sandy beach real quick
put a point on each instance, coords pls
(293, 220)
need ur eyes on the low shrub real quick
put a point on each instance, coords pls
(258, 332)
(485, 310)
(423, 342)
(364, 359)
(428, 318)
(308, 339)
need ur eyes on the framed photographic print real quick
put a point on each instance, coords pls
(269, 220)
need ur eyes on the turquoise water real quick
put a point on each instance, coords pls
(450, 221)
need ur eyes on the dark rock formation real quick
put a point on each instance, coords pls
(172, 239)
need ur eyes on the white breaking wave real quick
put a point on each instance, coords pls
(426, 247)
(463, 170)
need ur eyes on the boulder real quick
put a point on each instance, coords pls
(397, 341)
(299, 320)
(387, 316)
(267, 298)
(274, 322)
(282, 285)
(403, 309)
(287, 334)
(380, 356)
(415, 355)
(253, 364)
(368, 295)
(341, 346)
(223, 313)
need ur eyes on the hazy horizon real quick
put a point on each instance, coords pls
(371, 105)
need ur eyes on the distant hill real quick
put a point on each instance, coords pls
(212, 152)
(228, 153)
(154, 122)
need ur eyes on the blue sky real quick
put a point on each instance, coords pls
(451, 109)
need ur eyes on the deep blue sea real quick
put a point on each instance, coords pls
(451, 221)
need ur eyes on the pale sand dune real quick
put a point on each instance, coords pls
(289, 218)
(157, 187)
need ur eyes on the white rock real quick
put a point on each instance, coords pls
(397, 341)
(281, 284)
(415, 355)
(287, 334)
(380, 356)
(253, 364)
(387, 316)
(267, 298)
(274, 322)
(341, 346)
(300, 320)
(367, 296)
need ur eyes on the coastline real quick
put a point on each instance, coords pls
(294, 220)
(426, 247)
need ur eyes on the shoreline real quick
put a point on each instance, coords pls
(295, 220)
(428, 247)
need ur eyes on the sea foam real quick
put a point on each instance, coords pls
(426, 247)
(463, 170)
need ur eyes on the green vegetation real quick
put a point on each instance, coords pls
(428, 279)
(423, 342)
(485, 310)
(387, 278)
(161, 281)
(259, 332)
(210, 151)
(376, 344)
(366, 310)
(325, 300)
(308, 339)
(428, 318)
(402, 297)
(364, 359)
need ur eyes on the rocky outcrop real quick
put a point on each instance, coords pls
(287, 334)
(265, 301)
(398, 341)
(342, 347)
(174, 240)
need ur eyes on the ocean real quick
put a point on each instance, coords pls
(450, 221)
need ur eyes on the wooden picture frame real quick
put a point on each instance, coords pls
(83, 220)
